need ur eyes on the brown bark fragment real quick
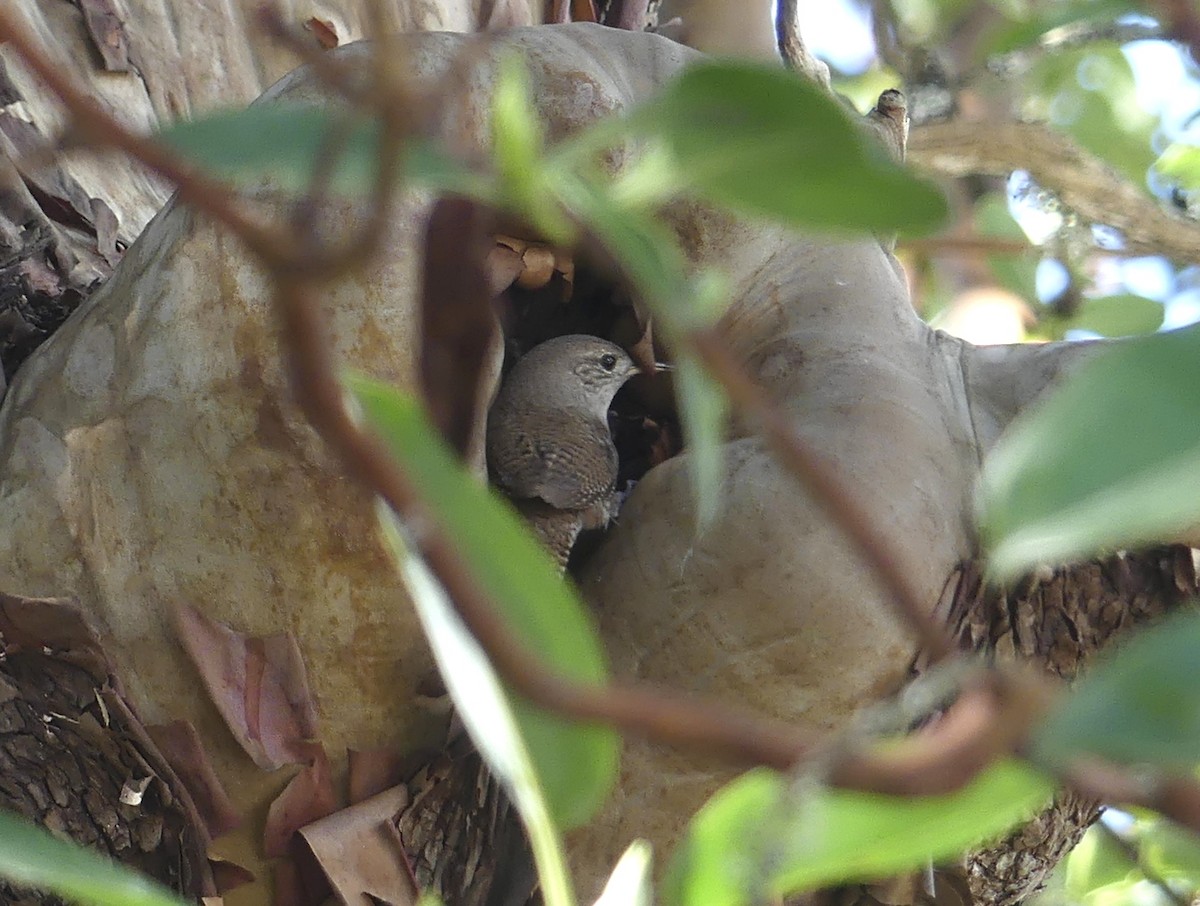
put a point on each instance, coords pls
(107, 31)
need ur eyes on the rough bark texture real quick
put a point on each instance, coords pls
(462, 836)
(1060, 620)
(75, 758)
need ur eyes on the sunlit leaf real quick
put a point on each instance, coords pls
(576, 763)
(1121, 315)
(1108, 460)
(1181, 163)
(517, 149)
(765, 141)
(705, 409)
(1170, 850)
(485, 709)
(758, 840)
(282, 144)
(1140, 705)
(1095, 862)
(30, 857)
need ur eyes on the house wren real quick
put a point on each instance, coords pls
(548, 443)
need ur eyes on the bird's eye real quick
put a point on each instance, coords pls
(608, 361)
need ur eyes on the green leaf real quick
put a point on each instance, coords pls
(1108, 460)
(281, 144)
(30, 857)
(765, 141)
(758, 840)
(1096, 862)
(1121, 315)
(1181, 163)
(575, 763)
(705, 410)
(1169, 850)
(485, 709)
(525, 180)
(646, 251)
(516, 130)
(652, 260)
(1139, 705)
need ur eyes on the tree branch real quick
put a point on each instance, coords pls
(1083, 182)
(792, 47)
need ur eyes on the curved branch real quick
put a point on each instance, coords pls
(792, 47)
(1083, 182)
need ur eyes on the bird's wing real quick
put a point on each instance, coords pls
(564, 457)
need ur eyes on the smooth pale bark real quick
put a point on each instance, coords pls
(149, 454)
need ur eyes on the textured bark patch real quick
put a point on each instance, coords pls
(75, 759)
(1059, 619)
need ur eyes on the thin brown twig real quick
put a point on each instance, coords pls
(965, 245)
(842, 506)
(669, 719)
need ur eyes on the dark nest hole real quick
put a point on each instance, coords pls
(557, 293)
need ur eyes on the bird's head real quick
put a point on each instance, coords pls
(585, 370)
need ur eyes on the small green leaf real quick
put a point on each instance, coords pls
(30, 857)
(281, 144)
(1181, 162)
(1107, 460)
(647, 252)
(576, 763)
(765, 141)
(1121, 315)
(654, 263)
(705, 410)
(516, 130)
(1140, 705)
(518, 151)
(759, 840)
